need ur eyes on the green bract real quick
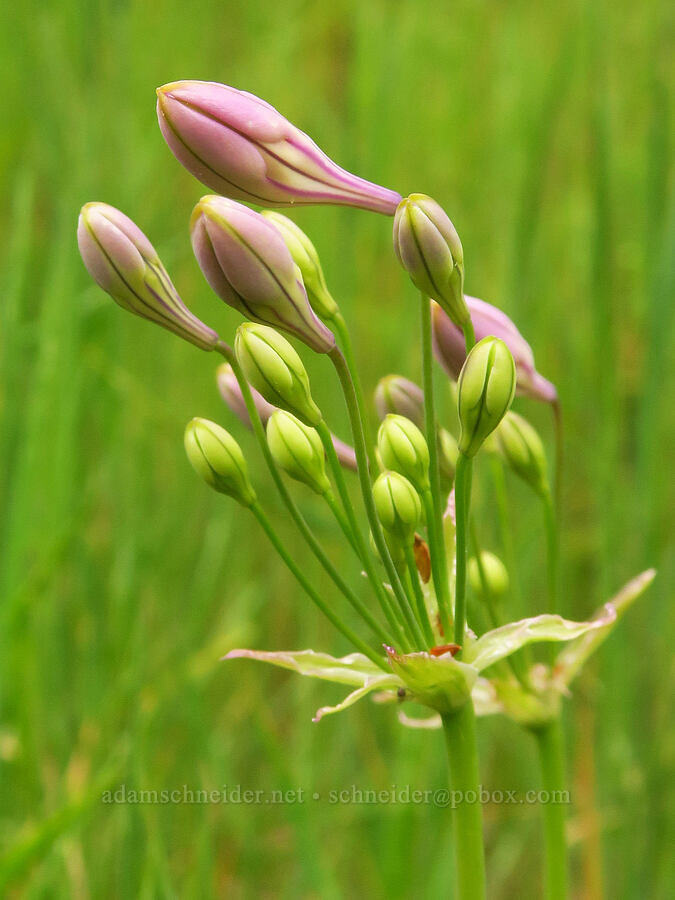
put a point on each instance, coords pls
(403, 449)
(274, 369)
(297, 449)
(398, 505)
(217, 458)
(486, 386)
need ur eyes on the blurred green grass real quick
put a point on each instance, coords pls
(547, 134)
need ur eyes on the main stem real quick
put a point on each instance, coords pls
(462, 504)
(552, 761)
(460, 739)
(440, 568)
(552, 549)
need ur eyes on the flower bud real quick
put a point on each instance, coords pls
(273, 367)
(242, 147)
(397, 395)
(232, 395)
(522, 449)
(403, 449)
(494, 572)
(122, 261)
(486, 387)
(450, 347)
(217, 458)
(246, 262)
(398, 505)
(448, 454)
(307, 260)
(429, 249)
(297, 449)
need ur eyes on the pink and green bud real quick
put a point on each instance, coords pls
(307, 260)
(398, 506)
(246, 262)
(273, 367)
(429, 249)
(122, 261)
(397, 395)
(241, 147)
(217, 458)
(297, 449)
(450, 347)
(486, 387)
(403, 449)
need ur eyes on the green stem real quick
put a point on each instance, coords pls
(355, 417)
(462, 505)
(435, 520)
(296, 515)
(552, 760)
(440, 583)
(346, 342)
(362, 647)
(552, 550)
(559, 449)
(362, 550)
(421, 608)
(469, 335)
(460, 738)
(342, 520)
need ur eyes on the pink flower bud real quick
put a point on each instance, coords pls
(122, 261)
(247, 263)
(450, 348)
(241, 147)
(231, 394)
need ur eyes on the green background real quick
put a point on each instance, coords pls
(546, 132)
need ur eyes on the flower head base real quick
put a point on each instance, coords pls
(273, 367)
(297, 449)
(122, 261)
(486, 387)
(429, 249)
(217, 458)
(450, 346)
(307, 260)
(246, 262)
(403, 449)
(398, 505)
(241, 147)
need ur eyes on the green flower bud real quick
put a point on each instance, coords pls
(448, 454)
(398, 505)
(402, 449)
(494, 570)
(486, 387)
(307, 260)
(275, 370)
(522, 449)
(297, 449)
(429, 249)
(217, 458)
